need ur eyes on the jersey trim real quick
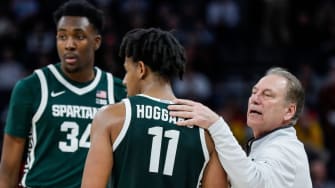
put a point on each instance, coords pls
(36, 117)
(203, 143)
(125, 124)
(206, 154)
(44, 96)
(110, 82)
(155, 99)
(74, 89)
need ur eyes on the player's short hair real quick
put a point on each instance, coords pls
(81, 8)
(158, 49)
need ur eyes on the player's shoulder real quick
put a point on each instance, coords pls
(111, 110)
(28, 81)
(116, 80)
(110, 116)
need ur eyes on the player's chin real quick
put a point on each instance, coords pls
(70, 68)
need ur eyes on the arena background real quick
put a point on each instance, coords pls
(229, 44)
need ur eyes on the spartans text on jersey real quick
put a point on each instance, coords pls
(74, 111)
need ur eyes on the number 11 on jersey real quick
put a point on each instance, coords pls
(157, 133)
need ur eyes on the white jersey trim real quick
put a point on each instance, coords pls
(125, 124)
(155, 99)
(74, 89)
(206, 154)
(110, 86)
(36, 117)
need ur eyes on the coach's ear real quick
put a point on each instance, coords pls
(290, 112)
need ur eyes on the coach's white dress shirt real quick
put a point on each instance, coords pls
(276, 160)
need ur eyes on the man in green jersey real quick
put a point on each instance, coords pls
(136, 142)
(54, 106)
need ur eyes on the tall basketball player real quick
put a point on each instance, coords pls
(54, 106)
(136, 142)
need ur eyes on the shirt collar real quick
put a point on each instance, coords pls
(251, 140)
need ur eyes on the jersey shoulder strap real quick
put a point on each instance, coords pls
(44, 94)
(125, 124)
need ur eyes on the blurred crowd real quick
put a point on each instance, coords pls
(229, 44)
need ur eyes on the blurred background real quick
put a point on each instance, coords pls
(229, 45)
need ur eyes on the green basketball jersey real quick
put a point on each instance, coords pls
(151, 151)
(62, 111)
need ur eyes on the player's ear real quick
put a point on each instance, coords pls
(142, 69)
(97, 42)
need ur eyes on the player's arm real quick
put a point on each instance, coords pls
(12, 152)
(18, 125)
(214, 175)
(99, 162)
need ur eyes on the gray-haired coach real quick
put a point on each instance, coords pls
(275, 158)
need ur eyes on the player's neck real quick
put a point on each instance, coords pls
(158, 90)
(81, 76)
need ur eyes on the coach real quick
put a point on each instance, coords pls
(275, 158)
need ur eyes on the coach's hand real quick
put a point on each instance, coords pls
(193, 112)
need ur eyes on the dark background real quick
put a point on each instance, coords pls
(229, 44)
